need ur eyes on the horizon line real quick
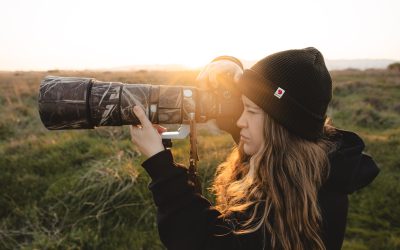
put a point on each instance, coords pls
(176, 66)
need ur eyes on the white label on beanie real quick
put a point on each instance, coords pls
(279, 92)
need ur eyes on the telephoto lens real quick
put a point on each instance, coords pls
(85, 103)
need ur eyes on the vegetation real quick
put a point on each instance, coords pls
(394, 67)
(86, 189)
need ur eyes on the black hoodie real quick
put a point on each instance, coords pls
(186, 220)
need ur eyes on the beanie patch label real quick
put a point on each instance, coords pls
(279, 92)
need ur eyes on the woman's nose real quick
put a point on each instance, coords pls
(241, 122)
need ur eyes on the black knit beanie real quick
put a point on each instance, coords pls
(294, 87)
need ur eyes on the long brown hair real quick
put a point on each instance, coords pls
(278, 185)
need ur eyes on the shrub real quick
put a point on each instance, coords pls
(394, 67)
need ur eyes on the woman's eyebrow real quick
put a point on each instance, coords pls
(246, 104)
(251, 106)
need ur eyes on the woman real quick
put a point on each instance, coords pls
(286, 183)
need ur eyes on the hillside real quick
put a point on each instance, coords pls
(86, 189)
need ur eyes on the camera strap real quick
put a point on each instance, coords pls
(194, 158)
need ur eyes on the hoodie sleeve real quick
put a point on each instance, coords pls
(351, 169)
(186, 220)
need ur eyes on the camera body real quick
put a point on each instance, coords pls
(85, 103)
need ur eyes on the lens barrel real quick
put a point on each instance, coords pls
(85, 103)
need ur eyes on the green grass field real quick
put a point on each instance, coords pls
(85, 189)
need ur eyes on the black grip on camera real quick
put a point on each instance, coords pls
(231, 106)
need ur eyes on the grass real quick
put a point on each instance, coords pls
(86, 189)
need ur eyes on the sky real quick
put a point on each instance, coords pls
(97, 34)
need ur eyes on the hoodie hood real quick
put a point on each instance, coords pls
(350, 168)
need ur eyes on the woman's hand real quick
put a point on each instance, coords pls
(147, 135)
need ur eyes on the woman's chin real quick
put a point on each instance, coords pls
(248, 150)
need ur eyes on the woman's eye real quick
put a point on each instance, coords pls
(249, 110)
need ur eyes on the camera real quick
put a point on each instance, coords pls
(86, 103)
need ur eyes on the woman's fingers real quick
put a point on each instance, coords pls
(139, 112)
(134, 131)
(147, 137)
(160, 129)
